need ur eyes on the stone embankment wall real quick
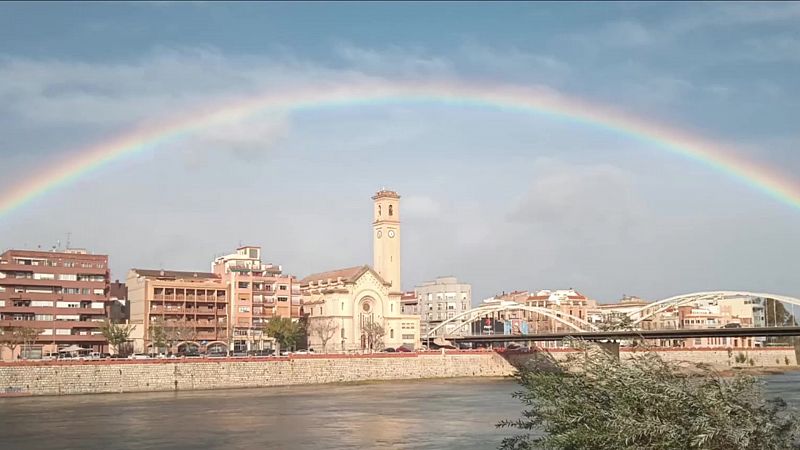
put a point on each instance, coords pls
(719, 358)
(93, 377)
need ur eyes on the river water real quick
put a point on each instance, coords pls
(425, 414)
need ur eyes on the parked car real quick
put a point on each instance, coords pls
(259, 353)
(217, 354)
(189, 354)
(403, 349)
(389, 350)
(138, 356)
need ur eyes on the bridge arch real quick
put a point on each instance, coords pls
(573, 322)
(645, 312)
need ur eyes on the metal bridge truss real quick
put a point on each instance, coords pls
(660, 306)
(475, 314)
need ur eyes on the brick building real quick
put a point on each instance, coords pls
(65, 295)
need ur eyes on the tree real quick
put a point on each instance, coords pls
(28, 337)
(11, 338)
(285, 330)
(617, 324)
(324, 329)
(116, 334)
(157, 333)
(180, 331)
(596, 401)
(374, 333)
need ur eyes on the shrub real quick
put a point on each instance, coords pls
(595, 401)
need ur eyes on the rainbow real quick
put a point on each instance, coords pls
(453, 93)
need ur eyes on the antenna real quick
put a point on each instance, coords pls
(69, 235)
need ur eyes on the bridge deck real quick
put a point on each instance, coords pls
(640, 334)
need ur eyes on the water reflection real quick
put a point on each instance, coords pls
(430, 414)
(418, 414)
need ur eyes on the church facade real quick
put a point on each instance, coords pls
(358, 308)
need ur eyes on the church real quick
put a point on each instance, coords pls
(358, 308)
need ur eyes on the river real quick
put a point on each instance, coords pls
(425, 414)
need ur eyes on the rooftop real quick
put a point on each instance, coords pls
(173, 274)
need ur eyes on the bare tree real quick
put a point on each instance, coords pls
(324, 329)
(28, 337)
(374, 333)
(11, 338)
(180, 331)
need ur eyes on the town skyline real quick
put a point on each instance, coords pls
(498, 198)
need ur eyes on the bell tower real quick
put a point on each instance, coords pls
(386, 237)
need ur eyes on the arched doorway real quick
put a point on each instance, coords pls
(188, 347)
(216, 348)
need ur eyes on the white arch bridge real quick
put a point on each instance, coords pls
(573, 325)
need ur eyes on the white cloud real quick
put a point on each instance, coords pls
(420, 206)
(582, 201)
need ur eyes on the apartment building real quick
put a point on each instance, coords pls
(64, 295)
(190, 309)
(439, 300)
(258, 291)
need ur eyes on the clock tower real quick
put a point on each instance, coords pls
(386, 237)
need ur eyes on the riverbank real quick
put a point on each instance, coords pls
(32, 378)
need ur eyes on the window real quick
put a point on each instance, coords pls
(391, 307)
(320, 310)
(98, 292)
(72, 291)
(408, 337)
(390, 210)
(85, 291)
(244, 309)
(342, 332)
(379, 210)
(69, 264)
(391, 333)
(342, 306)
(283, 299)
(243, 285)
(282, 287)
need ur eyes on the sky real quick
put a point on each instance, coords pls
(500, 199)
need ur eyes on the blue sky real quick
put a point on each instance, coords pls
(502, 200)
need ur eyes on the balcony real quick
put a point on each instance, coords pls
(52, 310)
(49, 324)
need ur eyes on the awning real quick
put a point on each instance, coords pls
(74, 348)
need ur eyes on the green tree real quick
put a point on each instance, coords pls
(595, 401)
(285, 330)
(116, 334)
(157, 333)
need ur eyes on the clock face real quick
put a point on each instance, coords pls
(391, 233)
(380, 234)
